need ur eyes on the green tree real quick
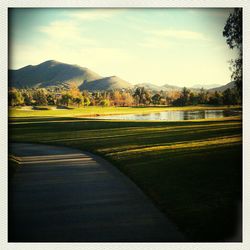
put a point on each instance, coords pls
(193, 99)
(78, 100)
(138, 95)
(156, 99)
(104, 102)
(185, 96)
(95, 98)
(86, 101)
(40, 97)
(51, 98)
(233, 33)
(28, 98)
(230, 97)
(216, 98)
(15, 97)
(202, 96)
(142, 96)
(66, 98)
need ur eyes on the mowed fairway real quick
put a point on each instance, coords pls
(192, 170)
(97, 110)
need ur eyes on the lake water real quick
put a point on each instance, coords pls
(175, 115)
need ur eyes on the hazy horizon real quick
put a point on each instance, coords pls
(158, 46)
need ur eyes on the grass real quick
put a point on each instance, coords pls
(192, 170)
(95, 111)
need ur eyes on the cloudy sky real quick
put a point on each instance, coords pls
(174, 46)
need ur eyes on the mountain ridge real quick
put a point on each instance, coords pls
(106, 83)
(229, 85)
(50, 73)
(54, 73)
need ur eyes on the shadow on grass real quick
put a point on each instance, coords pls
(199, 188)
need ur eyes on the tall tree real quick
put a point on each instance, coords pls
(117, 98)
(128, 99)
(142, 96)
(40, 97)
(203, 96)
(233, 33)
(27, 95)
(185, 96)
(156, 98)
(74, 91)
(66, 98)
(216, 98)
(78, 100)
(15, 97)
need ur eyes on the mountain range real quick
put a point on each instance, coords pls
(205, 86)
(53, 73)
(229, 85)
(165, 87)
(50, 73)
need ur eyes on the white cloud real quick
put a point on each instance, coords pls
(178, 34)
(60, 28)
(66, 32)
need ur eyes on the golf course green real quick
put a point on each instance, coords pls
(192, 170)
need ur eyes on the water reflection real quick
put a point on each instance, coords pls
(175, 115)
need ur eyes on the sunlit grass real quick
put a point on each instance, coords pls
(181, 145)
(95, 110)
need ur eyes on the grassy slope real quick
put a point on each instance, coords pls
(191, 169)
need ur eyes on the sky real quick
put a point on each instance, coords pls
(160, 46)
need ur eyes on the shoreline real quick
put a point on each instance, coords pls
(96, 111)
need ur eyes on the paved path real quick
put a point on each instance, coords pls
(65, 195)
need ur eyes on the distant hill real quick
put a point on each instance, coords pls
(153, 87)
(205, 86)
(224, 87)
(194, 88)
(149, 86)
(50, 73)
(106, 83)
(168, 87)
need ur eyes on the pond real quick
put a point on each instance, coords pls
(179, 115)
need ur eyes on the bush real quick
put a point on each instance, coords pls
(63, 107)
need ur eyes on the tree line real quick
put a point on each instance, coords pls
(138, 97)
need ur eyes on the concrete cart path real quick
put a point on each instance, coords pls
(62, 194)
